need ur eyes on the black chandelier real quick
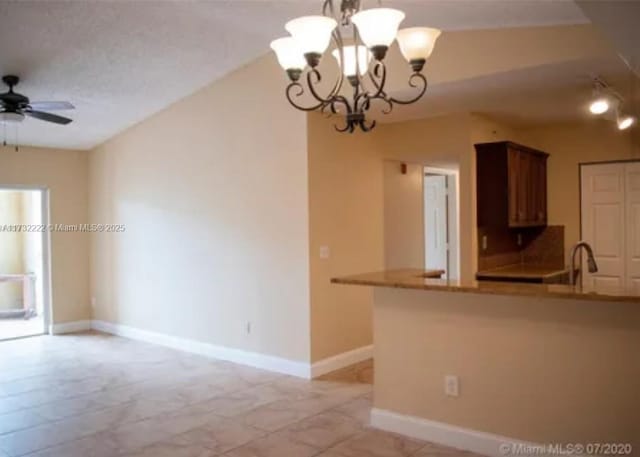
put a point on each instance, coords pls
(373, 31)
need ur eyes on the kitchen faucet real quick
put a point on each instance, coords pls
(591, 261)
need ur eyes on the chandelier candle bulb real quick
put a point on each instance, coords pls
(378, 28)
(416, 44)
(312, 34)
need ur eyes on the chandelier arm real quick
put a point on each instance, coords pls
(386, 99)
(380, 72)
(423, 82)
(337, 39)
(367, 128)
(298, 86)
(328, 5)
(347, 127)
(312, 90)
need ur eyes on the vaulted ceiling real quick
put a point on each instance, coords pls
(120, 62)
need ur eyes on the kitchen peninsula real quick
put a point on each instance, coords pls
(484, 363)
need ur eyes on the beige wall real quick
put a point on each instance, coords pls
(12, 249)
(345, 214)
(569, 374)
(568, 145)
(403, 204)
(64, 173)
(442, 142)
(213, 193)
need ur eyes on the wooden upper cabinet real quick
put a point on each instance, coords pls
(511, 185)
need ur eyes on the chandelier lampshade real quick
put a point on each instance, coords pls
(378, 27)
(351, 63)
(417, 43)
(290, 57)
(360, 46)
(313, 34)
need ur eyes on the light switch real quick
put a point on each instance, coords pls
(324, 252)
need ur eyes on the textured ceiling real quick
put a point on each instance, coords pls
(120, 62)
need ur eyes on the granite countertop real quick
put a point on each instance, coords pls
(415, 279)
(524, 271)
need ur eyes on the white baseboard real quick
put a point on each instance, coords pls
(254, 359)
(450, 435)
(69, 327)
(341, 360)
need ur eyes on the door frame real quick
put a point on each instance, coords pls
(45, 214)
(456, 230)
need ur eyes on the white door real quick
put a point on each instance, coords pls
(435, 223)
(632, 196)
(603, 223)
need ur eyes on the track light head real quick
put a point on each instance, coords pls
(624, 122)
(599, 106)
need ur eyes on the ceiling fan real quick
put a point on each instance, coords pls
(14, 106)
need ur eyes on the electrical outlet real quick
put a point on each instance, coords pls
(324, 252)
(451, 385)
(248, 327)
(484, 242)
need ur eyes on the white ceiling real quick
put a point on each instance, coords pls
(120, 62)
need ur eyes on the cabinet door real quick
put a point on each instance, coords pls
(524, 188)
(513, 161)
(538, 197)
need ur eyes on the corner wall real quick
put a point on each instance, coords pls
(346, 213)
(213, 194)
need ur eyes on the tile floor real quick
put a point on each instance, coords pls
(94, 395)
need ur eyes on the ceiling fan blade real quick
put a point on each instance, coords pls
(51, 106)
(48, 117)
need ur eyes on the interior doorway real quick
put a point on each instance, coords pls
(24, 262)
(441, 232)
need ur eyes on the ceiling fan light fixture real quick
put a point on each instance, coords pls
(8, 117)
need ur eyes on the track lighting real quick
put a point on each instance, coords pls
(608, 102)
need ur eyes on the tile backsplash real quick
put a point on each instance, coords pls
(535, 246)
